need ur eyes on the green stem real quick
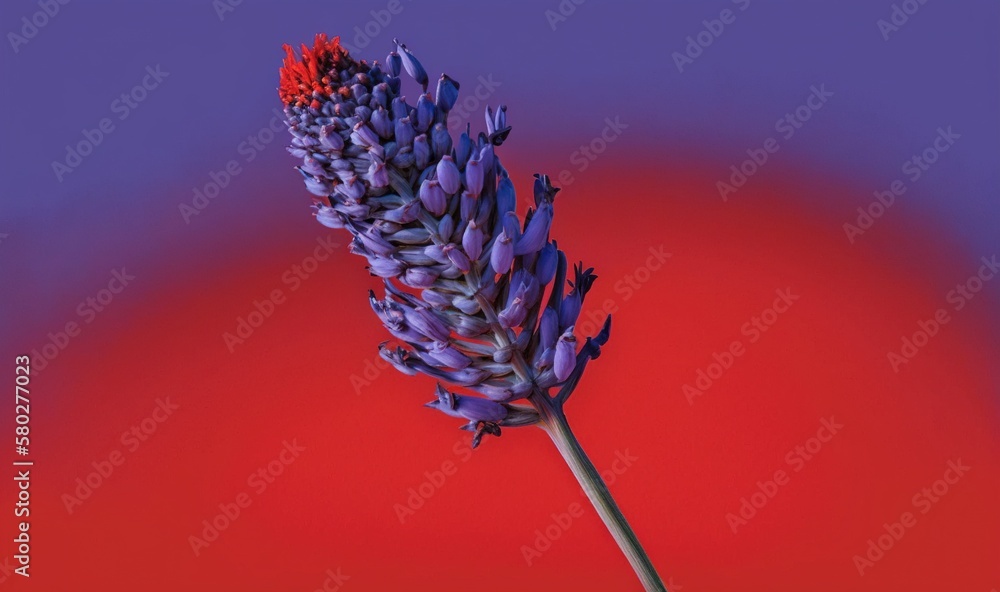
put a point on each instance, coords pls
(555, 425)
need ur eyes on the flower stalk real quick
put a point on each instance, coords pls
(474, 295)
(555, 425)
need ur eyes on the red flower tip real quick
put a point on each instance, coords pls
(316, 71)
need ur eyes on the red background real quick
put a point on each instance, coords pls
(334, 506)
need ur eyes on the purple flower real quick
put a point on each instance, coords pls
(565, 359)
(436, 217)
(448, 175)
(433, 197)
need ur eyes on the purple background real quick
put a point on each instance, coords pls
(604, 60)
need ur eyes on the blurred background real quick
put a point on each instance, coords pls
(208, 408)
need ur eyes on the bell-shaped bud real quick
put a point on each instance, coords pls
(330, 138)
(435, 298)
(380, 95)
(565, 360)
(446, 226)
(352, 188)
(399, 108)
(448, 356)
(373, 241)
(362, 135)
(382, 123)
(378, 174)
(502, 255)
(457, 257)
(386, 267)
(464, 148)
(545, 265)
(440, 140)
(421, 151)
(411, 64)
(448, 175)
(427, 323)
(316, 185)
(515, 312)
(474, 176)
(569, 310)
(403, 214)
(506, 197)
(329, 217)
(447, 93)
(394, 63)
(468, 205)
(432, 196)
(425, 113)
(537, 232)
(512, 226)
(472, 240)
(404, 132)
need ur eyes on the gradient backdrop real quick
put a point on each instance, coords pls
(661, 132)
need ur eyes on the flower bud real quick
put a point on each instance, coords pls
(447, 93)
(502, 254)
(425, 113)
(448, 175)
(440, 140)
(537, 232)
(472, 240)
(394, 63)
(411, 64)
(433, 197)
(382, 123)
(565, 360)
(474, 176)
(421, 151)
(329, 217)
(404, 131)
(457, 257)
(446, 226)
(330, 138)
